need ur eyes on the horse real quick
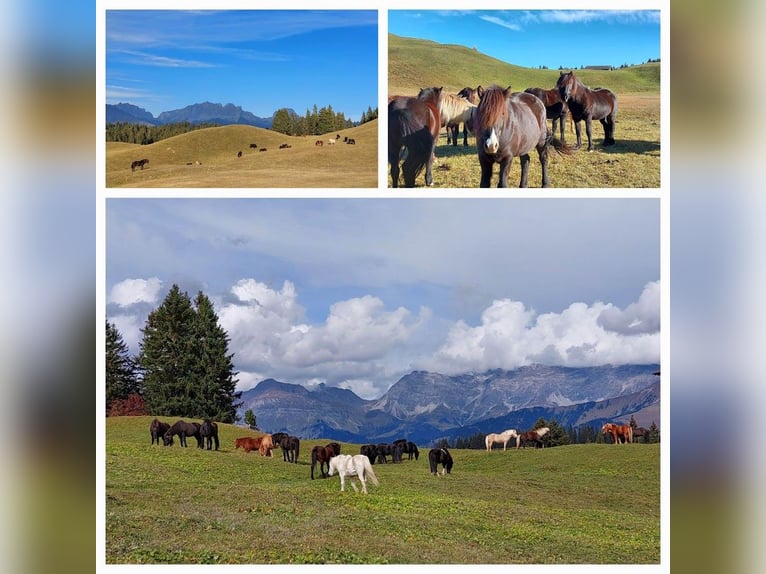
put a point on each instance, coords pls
(291, 446)
(555, 107)
(183, 430)
(402, 446)
(437, 456)
(351, 141)
(157, 429)
(640, 432)
(350, 466)
(319, 143)
(138, 163)
(620, 434)
(277, 437)
(253, 146)
(455, 110)
(512, 124)
(383, 450)
(322, 455)
(502, 437)
(239, 153)
(330, 141)
(470, 94)
(535, 436)
(370, 451)
(284, 146)
(248, 443)
(208, 432)
(412, 450)
(266, 446)
(586, 104)
(413, 125)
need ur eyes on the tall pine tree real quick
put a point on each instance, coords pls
(121, 376)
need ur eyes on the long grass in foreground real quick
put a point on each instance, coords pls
(574, 504)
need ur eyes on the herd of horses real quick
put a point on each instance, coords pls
(358, 466)
(506, 124)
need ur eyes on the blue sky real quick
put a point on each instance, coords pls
(358, 292)
(534, 38)
(261, 60)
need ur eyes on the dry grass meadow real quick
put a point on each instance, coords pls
(173, 161)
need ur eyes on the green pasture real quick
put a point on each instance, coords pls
(634, 162)
(597, 503)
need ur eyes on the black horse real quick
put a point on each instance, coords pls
(291, 446)
(138, 163)
(208, 431)
(370, 451)
(412, 450)
(183, 430)
(640, 432)
(322, 455)
(383, 450)
(586, 104)
(413, 125)
(157, 429)
(439, 456)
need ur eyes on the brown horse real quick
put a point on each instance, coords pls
(183, 430)
(138, 163)
(586, 104)
(157, 429)
(322, 455)
(535, 436)
(620, 434)
(267, 445)
(413, 129)
(247, 443)
(555, 108)
(509, 125)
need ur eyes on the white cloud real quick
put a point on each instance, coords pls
(511, 336)
(501, 22)
(132, 291)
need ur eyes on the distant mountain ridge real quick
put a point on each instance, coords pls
(205, 112)
(424, 406)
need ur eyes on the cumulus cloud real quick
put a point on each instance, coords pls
(511, 336)
(132, 291)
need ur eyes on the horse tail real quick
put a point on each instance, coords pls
(369, 472)
(419, 147)
(560, 147)
(313, 460)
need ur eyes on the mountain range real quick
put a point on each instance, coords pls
(425, 407)
(205, 112)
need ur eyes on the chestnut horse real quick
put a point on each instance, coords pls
(248, 443)
(267, 445)
(322, 455)
(620, 434)
(535, 436)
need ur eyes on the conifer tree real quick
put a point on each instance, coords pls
(121, 375)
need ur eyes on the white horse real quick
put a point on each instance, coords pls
(350, 466)
(331, 141)
(503, 437)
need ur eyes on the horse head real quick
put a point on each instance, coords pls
(567, 85)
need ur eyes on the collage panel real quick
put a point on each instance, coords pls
(517, 98)
(241, 99)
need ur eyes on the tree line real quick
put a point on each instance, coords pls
(183, 367)
(145, 134)
(316, 121)
(582, 434)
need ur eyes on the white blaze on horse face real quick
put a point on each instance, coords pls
(491, 144)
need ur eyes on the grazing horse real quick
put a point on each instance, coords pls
(253, 146)
(413, 125)
(239, 153)
(157, 429)
(291, 446)
(437, 456)
(620, 434)
(319, 143)
(512, 124)
(322, 455)
(330, 141)
(208, 432)
(555, 107)
(412, 450)
(351, 141)
(535, 436)
(266, 446)
(277, 437)
(248, 443)
(357, 465)
(455, 110)
(138, 163)
(586, 104)
(183, 430)
(370, 451)
(383, 449)
(502, 437)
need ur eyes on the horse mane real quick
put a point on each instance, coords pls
(492, 106)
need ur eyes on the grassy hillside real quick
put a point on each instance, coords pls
(574, 504)
(634, 162)
(172, 161)
(415, 64)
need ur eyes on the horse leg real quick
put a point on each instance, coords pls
(588, 121)
(486, 170)
(505, 167)
(608, 123)
(393, 159)
(542, 152)
(562, 121)
(578, 134)
(429, 165)
(524, 169)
